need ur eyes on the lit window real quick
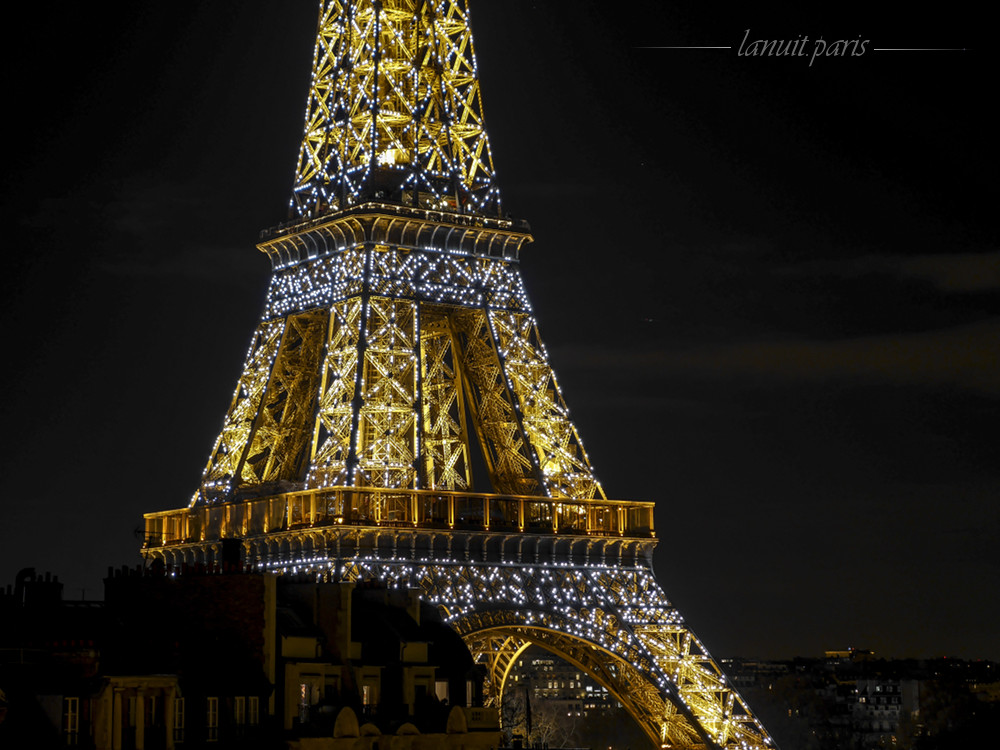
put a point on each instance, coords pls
(253, 715)
(239, 710)
(212, 719)
(441, 690)
(151, 718)
(178, 720)
(71, 720)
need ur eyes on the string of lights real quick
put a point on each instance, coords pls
(397, 333)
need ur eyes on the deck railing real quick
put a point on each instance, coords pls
(422, 509)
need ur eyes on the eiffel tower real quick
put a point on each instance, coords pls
(396, 337)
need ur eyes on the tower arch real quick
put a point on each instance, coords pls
(615, 624)
(667, 722)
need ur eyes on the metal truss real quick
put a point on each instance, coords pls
(587, 594)
(370, 361)
(335, 424)
(394, 110)
(266, 431)
(446, 436)
(430, 274)
(281, 432)
(512, 467)
(558, 452)
(396, 326)
(614, 623)
(229, 453)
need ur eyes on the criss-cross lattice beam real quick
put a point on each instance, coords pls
(612, 621)
(415, 339)
(617, 625)
(564, 465)
(387, 444)
(589, 598)
(332, 434)
(281, 434)
(446, 438)
(229, 451)
(396, 294)
(394, 110)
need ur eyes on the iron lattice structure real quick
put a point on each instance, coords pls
(397, 338)
(394, 110)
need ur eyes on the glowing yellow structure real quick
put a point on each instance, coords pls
(397, 338)
(394, 107)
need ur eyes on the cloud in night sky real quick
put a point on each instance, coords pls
(154, 229)
(949, 272)
(962, 272)
(964, 356)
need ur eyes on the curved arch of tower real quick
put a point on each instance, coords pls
(397, 339)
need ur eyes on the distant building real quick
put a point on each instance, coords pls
(240, 659)
(851, 698)
(555, 683)
(749, 673)
(549, 702)
(879, 704)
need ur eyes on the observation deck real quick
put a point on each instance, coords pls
(331, 517)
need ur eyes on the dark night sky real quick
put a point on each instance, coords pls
(771, 291)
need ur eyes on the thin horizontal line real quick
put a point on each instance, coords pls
(874, 49)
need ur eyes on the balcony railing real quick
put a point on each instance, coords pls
(383, 508)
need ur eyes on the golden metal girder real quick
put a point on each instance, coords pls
(281, 433)
(335, 420)
(505, 518)
(507, 452)
(531, 445)
(500, 585)
(394, 105)
(446, 437)
(396, 315)
(700, 682)
(385, 443)
(618, 627)
(378, 354)
(496, 649)
(563, 463)
(229, 453)
(497, 652)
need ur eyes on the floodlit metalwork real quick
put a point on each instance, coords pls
(396, 344)
(394, 110)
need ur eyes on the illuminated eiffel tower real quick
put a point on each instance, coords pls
(396, 326)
